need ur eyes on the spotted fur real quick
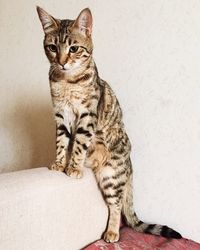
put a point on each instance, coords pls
(90, 130)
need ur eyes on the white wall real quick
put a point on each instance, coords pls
(149, 51)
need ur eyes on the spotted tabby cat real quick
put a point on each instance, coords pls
(90, 130)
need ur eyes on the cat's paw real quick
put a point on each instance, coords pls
(57, 166)
(110, 236)
(74, 172)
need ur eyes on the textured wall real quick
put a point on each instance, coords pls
(149, 52)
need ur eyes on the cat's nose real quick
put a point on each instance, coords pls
(62, 60)
(62, 65)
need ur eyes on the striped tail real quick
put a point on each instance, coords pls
(156, 229)
(132, 220)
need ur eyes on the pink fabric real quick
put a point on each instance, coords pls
(131, 240)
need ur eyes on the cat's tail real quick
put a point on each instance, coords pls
(132, 220)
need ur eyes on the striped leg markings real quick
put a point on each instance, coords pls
(82, 141)
(112, 185)
(62, 142)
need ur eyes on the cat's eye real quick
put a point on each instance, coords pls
(73, 49)
(53, 47)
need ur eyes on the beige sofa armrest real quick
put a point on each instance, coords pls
(46, 210)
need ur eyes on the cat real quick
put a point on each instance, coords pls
(89, 126)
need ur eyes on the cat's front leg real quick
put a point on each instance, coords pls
(82, 140)
(62, 142)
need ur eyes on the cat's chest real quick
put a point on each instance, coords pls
(65, 114)
(72, 94)
(69, 102)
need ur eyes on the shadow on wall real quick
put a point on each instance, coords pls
(30, 137)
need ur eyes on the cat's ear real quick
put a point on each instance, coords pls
(84, 22)
(48, 22)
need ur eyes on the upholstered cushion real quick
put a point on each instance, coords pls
(131, 240)
(46, 210)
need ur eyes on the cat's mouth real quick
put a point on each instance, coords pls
(62, 67)
(68, 68)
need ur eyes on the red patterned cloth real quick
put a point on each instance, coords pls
(131, 240)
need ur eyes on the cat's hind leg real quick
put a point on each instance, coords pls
(112, 183)
(112, 232)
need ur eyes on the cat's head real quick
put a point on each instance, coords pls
(67, 43)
